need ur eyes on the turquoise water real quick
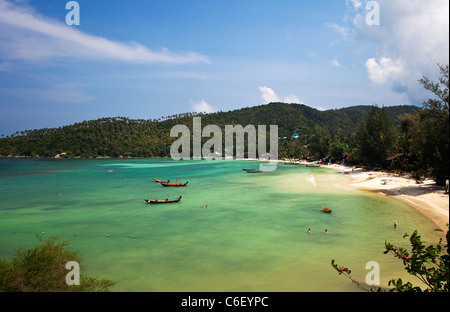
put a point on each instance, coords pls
(252, 237)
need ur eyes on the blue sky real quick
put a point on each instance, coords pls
(153, 58)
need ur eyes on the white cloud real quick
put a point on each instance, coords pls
(269, 96)
(412, 37)
(26, 35)
(342, 30)
(412, 29)
(356, 3)
(202, 107)
(335, 63)
(384, 69)
(292, 99)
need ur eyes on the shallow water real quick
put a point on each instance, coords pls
(252, 237)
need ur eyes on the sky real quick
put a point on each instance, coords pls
(146, 59)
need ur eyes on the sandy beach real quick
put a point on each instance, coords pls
(428, 198)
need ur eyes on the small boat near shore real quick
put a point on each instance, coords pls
(248, 169)
(313, 165)
(172, 184)
(253, 171)
(162, 201)
(158, 180)
(326, 210)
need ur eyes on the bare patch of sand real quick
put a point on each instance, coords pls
(428, 198)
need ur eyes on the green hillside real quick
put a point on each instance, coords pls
(121, 136)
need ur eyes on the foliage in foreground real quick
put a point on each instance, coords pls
(43, 269)
(424, 262)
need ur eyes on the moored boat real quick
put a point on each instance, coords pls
(326, 210)
(253, 171)
(173, 184)
(158, 180)
(162, 201)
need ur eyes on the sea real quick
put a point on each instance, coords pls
(232, 231)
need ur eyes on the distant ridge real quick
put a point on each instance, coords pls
(121, 136)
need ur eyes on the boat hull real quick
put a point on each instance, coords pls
(173, 184)
(162, 201)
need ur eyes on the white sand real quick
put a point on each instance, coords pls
(428, 198)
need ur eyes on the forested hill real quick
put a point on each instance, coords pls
(120, 136)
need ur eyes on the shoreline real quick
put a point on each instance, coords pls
(426, 197)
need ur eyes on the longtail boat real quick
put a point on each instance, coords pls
(163, 201)
(253, 171)
(313, 165)
(248, 169)
(326, 210)
(173, 184)
(158, 180)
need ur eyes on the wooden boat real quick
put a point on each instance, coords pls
(248, 169)
(253, 171)
(173, 184)
(163, 201)
(312, 165)
(326, 210)
(158, 180)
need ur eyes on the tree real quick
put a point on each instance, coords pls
(434, 123)
(43, 269)
(425, 135)
(375, 137)
(424, 262)
(338, 150)
(320, 142)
